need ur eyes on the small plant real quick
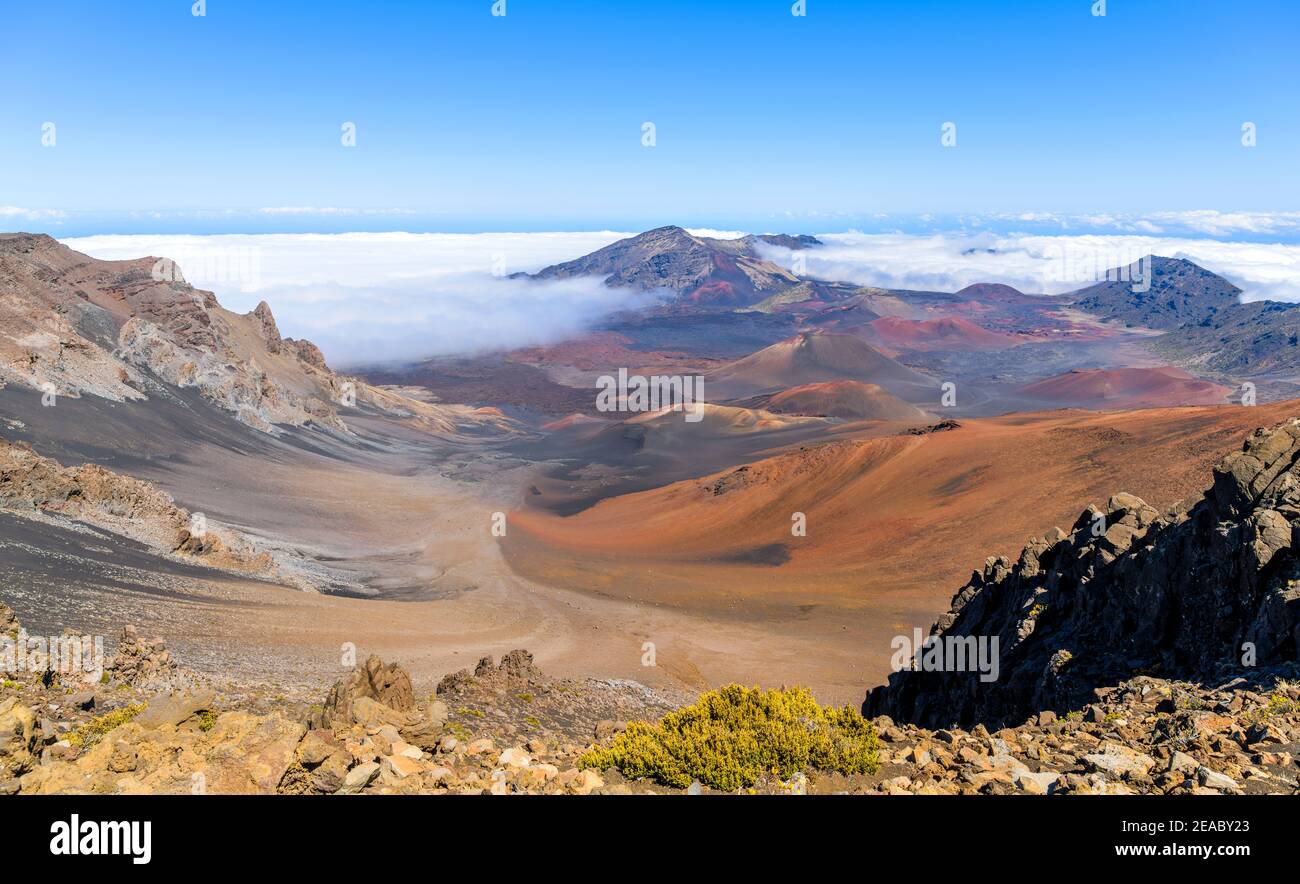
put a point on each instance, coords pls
(526, 697)
(465, 710)
(91, 732)
(732, 736)
(207, 720)
(1278, 704)
(1074, 715)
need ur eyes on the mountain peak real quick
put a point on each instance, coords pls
(1158, 292)
(698, 270)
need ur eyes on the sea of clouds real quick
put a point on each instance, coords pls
(388, 297)
(381, 297)
(1038, 263)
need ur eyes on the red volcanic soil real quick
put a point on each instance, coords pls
(851, 400)
(811, 358)
(947, 333)
(894, 524)
(1125, 388)
(720, 292)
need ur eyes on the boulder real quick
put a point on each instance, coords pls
(1118, 760)
(18, 738)
(173, 709)
(358, 778)
(385, 685)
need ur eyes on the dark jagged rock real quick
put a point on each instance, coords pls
(941, 427)
(1127, 591)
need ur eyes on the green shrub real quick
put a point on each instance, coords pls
(93, 731)
(1278, 704)
(733, 735)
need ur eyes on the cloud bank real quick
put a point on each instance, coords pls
(378, 297)
(1049, 264)
(381, 297)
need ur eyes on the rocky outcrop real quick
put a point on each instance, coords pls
(515, 669)
(1144, 736)
(71, 325)
(9, 624)
(40, 487)
(144, 663)
(1127, 590)
(386, 685)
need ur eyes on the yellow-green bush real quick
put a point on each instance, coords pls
(92, 731)
(731, 736)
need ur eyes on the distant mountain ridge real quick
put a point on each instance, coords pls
(698, 270)
(1159, 293)
(1207, 326)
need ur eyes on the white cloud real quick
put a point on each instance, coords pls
(391, 296)
(1050, 264)
(710, 233)
(30, 214)
(381, 296)
(1207, 222)
(1215, 223)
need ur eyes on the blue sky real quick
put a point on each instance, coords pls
(170, 123)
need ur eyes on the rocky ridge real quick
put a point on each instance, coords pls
(1194, 593)
(36, 487)
(71, 325)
